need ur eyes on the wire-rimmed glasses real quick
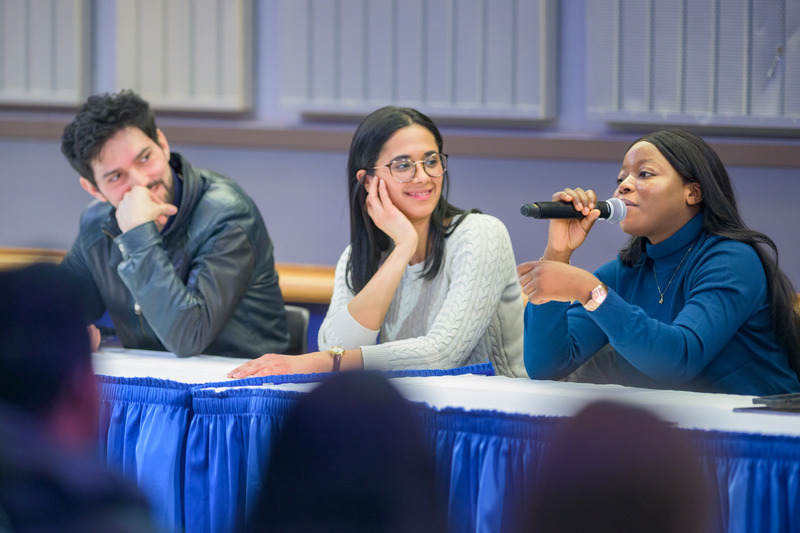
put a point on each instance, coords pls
(404, 170)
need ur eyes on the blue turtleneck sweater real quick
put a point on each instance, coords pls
(713, 332)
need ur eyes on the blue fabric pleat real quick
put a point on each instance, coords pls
(229, 439)
(270, 380)
(757, 477)
(143, 424)
(200, 456)
(484, 462)
(484, 369)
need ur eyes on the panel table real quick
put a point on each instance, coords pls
(197, 443)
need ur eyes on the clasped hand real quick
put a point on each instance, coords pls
(140, 205)
(553, 281)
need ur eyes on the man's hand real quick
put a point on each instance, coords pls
(94, 337)
(140, 205)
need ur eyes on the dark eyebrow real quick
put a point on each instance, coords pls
(112, 172)
(648, 161)
(109, 173)
(406, 156)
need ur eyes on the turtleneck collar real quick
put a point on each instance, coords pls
(678, 241)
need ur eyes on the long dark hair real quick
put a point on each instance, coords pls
(367, 241)
(696, 162)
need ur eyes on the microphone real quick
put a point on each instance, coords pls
(613, 210)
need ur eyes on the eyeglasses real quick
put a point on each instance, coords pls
(404, 170)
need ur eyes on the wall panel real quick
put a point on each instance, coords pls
(464, 58)
(704, 62)
(44, 54)
(186, 55)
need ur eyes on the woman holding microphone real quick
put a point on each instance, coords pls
(696, 301)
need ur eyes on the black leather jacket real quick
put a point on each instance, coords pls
(206, 285)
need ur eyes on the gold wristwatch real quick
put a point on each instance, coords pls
(336, 352)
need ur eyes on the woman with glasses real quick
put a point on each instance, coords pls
(423, 284)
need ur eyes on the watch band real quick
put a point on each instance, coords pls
(336, 352)
(596, 297)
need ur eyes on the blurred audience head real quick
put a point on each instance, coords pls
(45, 358)
(351, 457)
(615, 468)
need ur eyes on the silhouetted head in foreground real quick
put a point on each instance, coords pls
(615, 468)
(50, 476)
(351, 457)
(45, 358)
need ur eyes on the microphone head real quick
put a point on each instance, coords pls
(527, 210)
(616, 210)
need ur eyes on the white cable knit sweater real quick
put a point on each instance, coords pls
(470, 313)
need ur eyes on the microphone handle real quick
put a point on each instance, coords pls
(558, 210)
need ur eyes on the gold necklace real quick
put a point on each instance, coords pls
(661, 301)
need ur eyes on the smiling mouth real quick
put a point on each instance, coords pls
(419, 194)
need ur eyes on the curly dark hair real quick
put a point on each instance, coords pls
(99, 119)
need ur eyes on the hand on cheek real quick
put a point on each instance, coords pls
(387, 216)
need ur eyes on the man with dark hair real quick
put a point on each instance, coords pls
(179, 256)
(50, 476)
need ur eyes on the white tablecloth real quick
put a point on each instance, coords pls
(689, 410)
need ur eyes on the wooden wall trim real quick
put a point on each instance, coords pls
(300, 283)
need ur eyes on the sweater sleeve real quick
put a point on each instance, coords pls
(559, 337)
(479, 262)
(719, 294)
(723, 290)
(339, 328)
